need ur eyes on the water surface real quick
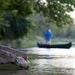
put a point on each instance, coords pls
(48, 62)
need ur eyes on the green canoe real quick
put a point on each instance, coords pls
(66, 45)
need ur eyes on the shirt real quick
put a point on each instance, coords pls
(48, 35)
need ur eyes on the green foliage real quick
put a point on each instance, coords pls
(56, 11)
(41, 24)
(16, 28)
(13, 15)
(13, 22)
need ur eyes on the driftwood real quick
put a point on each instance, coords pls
(10, 55)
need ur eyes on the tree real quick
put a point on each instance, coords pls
(56, 10)
(13, 22)
(13, 15)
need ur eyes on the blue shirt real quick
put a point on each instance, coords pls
(48, 35)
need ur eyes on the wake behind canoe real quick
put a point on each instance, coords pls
(66, 45)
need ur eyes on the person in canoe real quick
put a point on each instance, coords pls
(48, 36)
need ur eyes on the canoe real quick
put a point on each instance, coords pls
(66, 45)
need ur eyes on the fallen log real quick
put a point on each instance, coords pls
(10, 55)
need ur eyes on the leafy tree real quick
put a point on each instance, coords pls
(13, 18)
(56, 10)
(13, 15)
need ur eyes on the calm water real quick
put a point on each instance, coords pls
(48, 62)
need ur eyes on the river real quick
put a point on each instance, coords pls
(47, 62)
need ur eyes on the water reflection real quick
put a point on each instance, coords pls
(52, 52)
(54, 67)
(58, 63)
(48, 62)
(6, 72)
(46, 67)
